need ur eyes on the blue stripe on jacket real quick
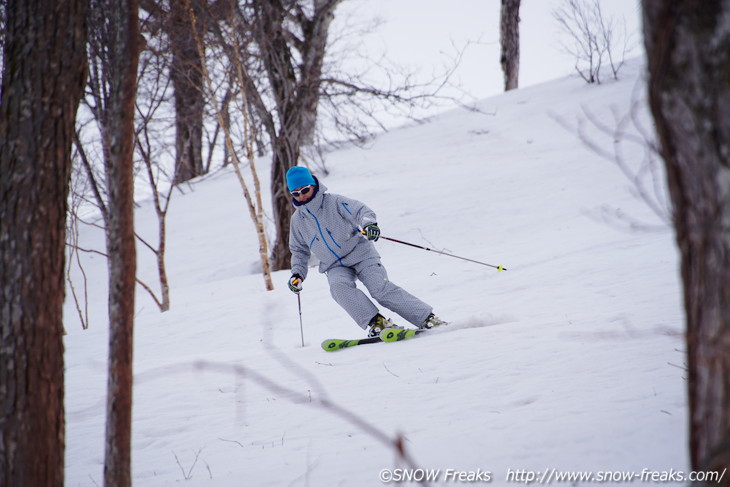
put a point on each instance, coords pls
(319, 227)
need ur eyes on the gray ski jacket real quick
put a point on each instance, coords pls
(328, 226)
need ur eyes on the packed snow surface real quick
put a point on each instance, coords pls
(572, 359)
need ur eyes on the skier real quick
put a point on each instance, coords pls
(332, 227)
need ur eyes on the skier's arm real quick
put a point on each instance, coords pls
(299, 253)
(356, 212)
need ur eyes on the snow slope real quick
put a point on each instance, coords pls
(572, 359)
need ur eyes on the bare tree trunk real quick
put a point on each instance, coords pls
(283, 159)
(123, 51)
(296, 94)
(153, 81)
(238, 76)
(226, 113)
(313, 52)
(688, 51)
(43, 78)
(187, 77)
(509, 33)
(277, 59)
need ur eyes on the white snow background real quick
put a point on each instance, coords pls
(571, 359)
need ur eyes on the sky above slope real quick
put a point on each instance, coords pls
(427, 35)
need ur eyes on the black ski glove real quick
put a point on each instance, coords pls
(372, 232)
(295, 283)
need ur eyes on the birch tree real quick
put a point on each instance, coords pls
(233, 43)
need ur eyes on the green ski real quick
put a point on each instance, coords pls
(397, 334)
(335, 344)
(386, 335)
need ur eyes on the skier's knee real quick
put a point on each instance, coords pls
(380, 289)
(340, 288)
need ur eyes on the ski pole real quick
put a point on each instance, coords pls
(301, 326)
(498, 267)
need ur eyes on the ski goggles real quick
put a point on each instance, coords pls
(303, 191)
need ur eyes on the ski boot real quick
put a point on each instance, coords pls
(432, 321)
(378, 324)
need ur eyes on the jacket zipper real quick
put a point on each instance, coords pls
(319, 227)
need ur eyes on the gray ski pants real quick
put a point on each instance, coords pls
(374, 277)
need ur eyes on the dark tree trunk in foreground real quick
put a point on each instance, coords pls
(688, 49)
(509, 34)
(43, 79)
